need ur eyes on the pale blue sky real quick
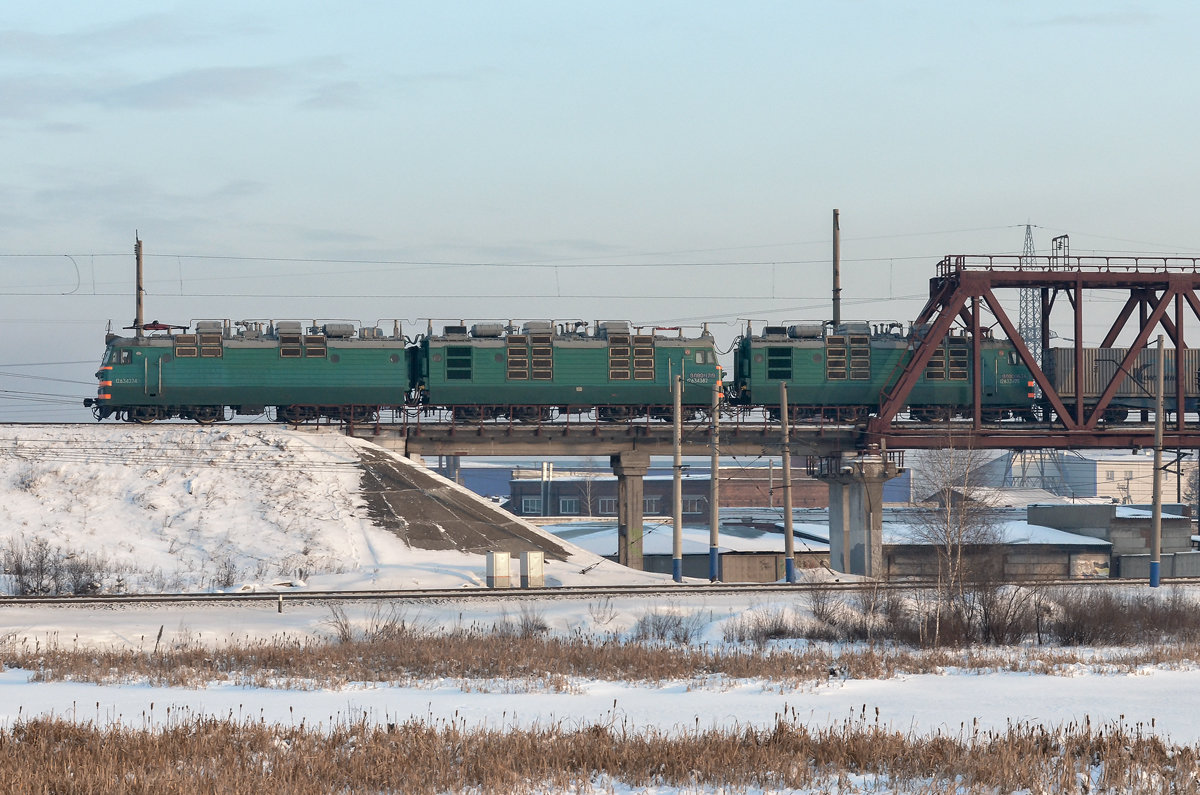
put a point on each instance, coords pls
(371, 151)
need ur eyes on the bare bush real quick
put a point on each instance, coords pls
(1104, 616)
(339, 622)
(759, 627)
(668, 627)
(227, 573)
(602, 612)
(529, 623)
(381, 624)
(37, 569)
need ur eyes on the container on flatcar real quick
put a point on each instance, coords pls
(1137, 389)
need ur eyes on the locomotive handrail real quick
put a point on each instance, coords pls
(953, 264)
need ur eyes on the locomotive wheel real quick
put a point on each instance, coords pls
(143, 415)
(854, 415)
(615, 413)
(932, 413)
(532, 413)
(295, 414)
(1116, 415)
(358, 414)
(207, 415)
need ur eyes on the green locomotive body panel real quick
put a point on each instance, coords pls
(547, 367)
(852, 369)
(182, 371)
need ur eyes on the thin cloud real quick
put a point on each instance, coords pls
(1098, 20)
(335, 96)
(198, 87)
(150, 31)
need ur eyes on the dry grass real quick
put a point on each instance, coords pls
(535, 662)
(211, 755)
(205, 755)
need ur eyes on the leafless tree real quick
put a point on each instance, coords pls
(587, 488)
(959, 522)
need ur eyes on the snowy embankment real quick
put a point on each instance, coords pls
(176, 508)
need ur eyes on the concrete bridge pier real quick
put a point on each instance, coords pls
(630, 467)
(856, 511)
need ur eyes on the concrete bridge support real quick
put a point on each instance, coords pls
(856, 512)
(630, 467)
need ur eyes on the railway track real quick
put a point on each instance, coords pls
(573, 592)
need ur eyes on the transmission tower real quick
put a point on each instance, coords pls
(1041, 469)
(1030, 320)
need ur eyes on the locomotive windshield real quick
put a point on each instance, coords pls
(117, 356)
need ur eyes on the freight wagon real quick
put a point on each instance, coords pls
(1136, 392)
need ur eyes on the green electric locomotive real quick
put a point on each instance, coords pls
(530, 372)
(305, 372)
(839, 373)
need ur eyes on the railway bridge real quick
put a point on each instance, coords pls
(855, 477)
(971, 298)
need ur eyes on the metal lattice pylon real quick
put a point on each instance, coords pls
(1029, 322)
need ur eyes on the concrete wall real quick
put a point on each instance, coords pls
(759, 487)
(1133, 536)
(765, 567)
(1088, 520)
(741, 487)
(736, 566)
(1023, 561)
(1129, 536)
(1179, 564)
(1187, 564)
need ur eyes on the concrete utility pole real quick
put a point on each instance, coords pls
(789, 540)
(1156, 513)
(137, 309)
(677, 492)
(714, 488)
(837, 270)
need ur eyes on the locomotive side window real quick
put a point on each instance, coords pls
(779, 364)
(122, 357)
(458, 364)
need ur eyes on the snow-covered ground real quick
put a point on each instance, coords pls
(179, 507)
(1162, 701)
(176, 508)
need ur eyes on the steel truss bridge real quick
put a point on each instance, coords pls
(973, 298)
(1155, 293)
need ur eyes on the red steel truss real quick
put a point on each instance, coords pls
(1161, 291)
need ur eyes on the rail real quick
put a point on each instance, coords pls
(698, 588)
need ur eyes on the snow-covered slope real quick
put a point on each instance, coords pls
(183, 507)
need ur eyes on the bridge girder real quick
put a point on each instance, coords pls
(1162, 289)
